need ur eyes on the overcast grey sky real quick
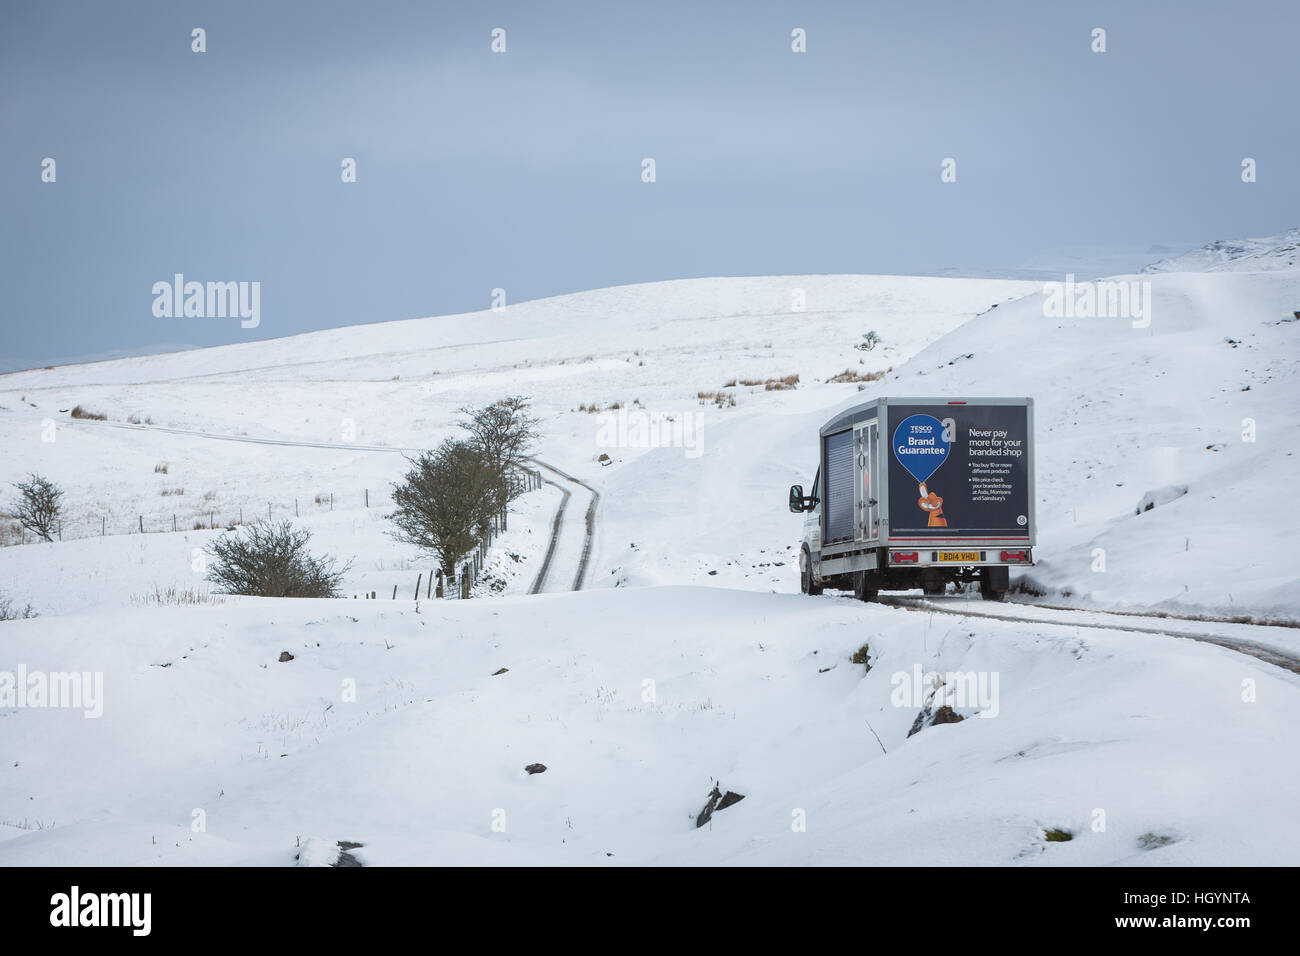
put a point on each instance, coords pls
(522, 170)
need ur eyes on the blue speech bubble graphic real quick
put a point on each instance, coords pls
(921, 446)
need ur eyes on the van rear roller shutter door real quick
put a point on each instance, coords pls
(839, 486)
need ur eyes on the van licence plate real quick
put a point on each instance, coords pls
(966, 557)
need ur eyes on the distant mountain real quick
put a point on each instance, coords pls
(1267, 254)
(11, 363)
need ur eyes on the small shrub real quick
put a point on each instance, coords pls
(170, 492)
(1057, 835)
(10, 613)
(269, 559)
(160, 468)
(81, 411)
(1154, 841)
(862, 656)
(133, 419)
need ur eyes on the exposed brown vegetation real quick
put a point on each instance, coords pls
(856, 375)
(769, 384)
(721, 399)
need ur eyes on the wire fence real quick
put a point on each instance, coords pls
(207, 515)
(228, 518)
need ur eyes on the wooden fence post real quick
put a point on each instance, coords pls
(394, 592)
(142, 524)
(418, 582)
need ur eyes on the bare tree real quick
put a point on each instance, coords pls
(39, 506)
(444, 501)
(271, 560)
(503, 431)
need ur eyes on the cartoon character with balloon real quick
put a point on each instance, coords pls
(921, 444)
(932, 504)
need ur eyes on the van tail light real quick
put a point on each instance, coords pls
(1015, 556)
(905, 557)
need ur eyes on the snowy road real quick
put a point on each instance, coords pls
(1274, 644)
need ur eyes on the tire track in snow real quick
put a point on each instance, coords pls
(556, 523)
(589, 529)
(1061, 617)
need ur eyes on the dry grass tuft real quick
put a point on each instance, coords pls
(856, 375)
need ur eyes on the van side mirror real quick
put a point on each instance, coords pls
(796, 499)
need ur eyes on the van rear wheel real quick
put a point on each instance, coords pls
(994, 583)
(866, 587)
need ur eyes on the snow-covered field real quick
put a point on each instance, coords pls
(690, 658)
(636, 701)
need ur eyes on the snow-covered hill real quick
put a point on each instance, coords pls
(677, 667)
(1281, 251)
